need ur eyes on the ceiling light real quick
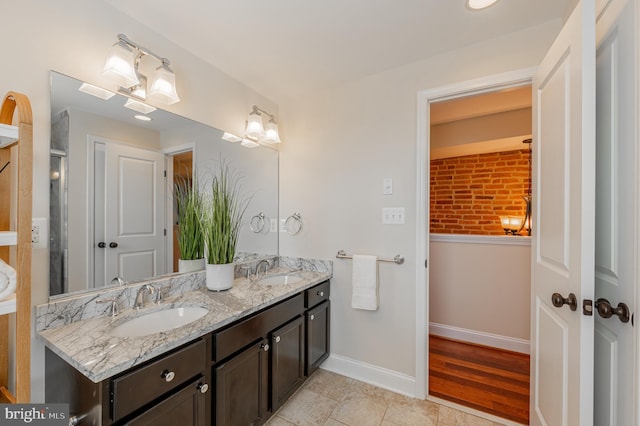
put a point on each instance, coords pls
(122, 67)
(142, 117)
(98, 92)
(256, 129)
(139, 106)
(479, 4)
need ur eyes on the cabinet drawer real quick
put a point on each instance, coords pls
(133, 390)
(316, 294)
(236, 337)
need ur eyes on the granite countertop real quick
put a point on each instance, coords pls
(88, 345)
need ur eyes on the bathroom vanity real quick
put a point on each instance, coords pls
(235, 366)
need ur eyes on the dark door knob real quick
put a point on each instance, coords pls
(101, 244)
(558, 301)
(605, 310)
(113, 245)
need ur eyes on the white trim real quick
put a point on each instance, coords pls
(424, 97)
(507, 240)
(480, 338)
(484, 147)
(372, 374)
(477, 413)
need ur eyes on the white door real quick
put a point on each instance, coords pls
(616, 189)
(134, 213)
(563, 239)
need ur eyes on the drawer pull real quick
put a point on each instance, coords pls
(203, 387)
(168, 375)
(312, 317)
(320, 293)
(264, 347)
(277, 339)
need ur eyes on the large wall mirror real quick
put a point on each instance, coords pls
(111, 207)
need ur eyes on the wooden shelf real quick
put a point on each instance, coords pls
(8, 305)
(8, 134)
(8, 238)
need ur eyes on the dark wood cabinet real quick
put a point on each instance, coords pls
(287, 361)
(317, 343)
(242, 387)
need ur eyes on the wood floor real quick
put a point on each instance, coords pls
(486, 379)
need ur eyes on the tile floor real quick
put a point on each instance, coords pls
(334, 400)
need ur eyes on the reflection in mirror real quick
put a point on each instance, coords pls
(111, 211)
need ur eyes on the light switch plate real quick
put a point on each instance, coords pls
(393, 216)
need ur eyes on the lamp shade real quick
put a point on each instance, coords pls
(271, 133)
(255, 128)
(119, 66)
(163, 86)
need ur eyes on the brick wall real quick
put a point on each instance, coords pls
(469, 193)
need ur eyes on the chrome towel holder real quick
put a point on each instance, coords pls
(397, 259)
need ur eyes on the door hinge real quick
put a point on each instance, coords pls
(426, 263)
(165, 232)
(165, 173)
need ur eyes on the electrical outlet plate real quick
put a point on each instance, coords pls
(39, 232)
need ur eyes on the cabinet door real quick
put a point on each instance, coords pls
(287, 361)
(185, 407)
(242, 388)
(317, 336)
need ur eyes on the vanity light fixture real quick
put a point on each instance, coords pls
(257, 131)
(96, 91)
(479, 4)
(139, 106)
(122, 66)
(230, 137)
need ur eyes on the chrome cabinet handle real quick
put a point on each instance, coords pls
(277, 339)
(264, 347)
(168, 375)
(202, 387)
(312, 317)
(558, 301)
(320, 293)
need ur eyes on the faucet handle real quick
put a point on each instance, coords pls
(160, 294)
(113, 305)
(117, 280)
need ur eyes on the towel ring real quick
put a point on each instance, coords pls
(293, 224)
(257, 223)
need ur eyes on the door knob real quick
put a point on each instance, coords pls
(101, 244)
(113, 245)
(605, 310)
(558, 301)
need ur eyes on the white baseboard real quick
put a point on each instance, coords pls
(480, 338)
(374, 375)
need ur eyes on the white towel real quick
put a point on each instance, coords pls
(7, 280)
(365, 282)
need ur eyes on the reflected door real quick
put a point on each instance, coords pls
(129, 213)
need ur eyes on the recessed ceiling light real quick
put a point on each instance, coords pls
(479, 4)
(142, 117)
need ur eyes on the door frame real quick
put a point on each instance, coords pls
(476, 86)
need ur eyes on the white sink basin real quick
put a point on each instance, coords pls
(158, 321)
(280, 279)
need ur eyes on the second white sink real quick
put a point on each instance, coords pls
(158, 321)
(282, 279)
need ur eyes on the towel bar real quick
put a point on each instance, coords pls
(398, 259)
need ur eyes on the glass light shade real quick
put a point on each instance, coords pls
(139, 106)
(271, 133)
(511, 224)
(255, 129)
(119, 66)
(248, 143)
(163, 86)
(98, 92)
(479, 4)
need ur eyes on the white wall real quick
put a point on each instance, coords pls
(73, 37)
(339, 145)
(480, 289)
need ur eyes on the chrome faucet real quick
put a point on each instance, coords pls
(147, 288)
(266, 264)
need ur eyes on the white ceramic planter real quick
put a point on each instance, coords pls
(191, 265)
(220, 277)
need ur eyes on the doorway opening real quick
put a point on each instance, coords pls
(479, 247)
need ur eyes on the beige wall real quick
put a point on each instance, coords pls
(73, 37)
(339, 145)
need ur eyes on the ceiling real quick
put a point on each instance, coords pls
(284, 49)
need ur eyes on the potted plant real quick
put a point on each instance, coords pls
(189, 206)
(221, 220)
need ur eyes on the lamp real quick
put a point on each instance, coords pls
(257, 131)
(122, 66)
